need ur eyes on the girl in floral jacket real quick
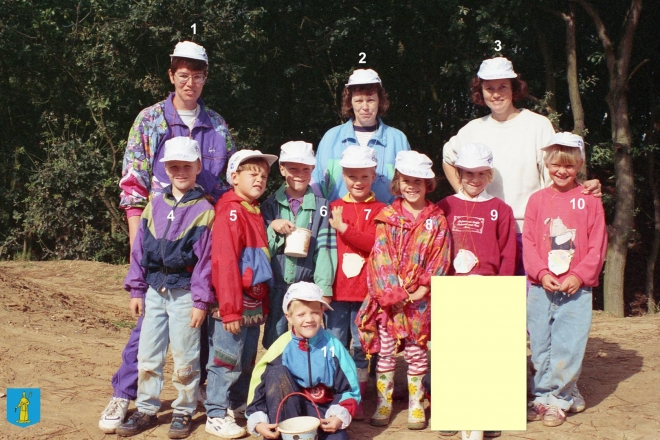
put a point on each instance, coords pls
(412, 245)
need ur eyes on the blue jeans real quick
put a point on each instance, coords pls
(342, 320)
(558, 327)
(167, 320)
(276, 323)
(231, 361)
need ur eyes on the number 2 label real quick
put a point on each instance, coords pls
(363, 58)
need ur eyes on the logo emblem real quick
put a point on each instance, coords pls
(23, 406)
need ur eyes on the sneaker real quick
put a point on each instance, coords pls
(181, 426)
(535, 411)
(579, 404)
(554, 416)
(237, 413)
(136, 423)
(492, 434)
(113, 415)
(201, 395)
(224, 427)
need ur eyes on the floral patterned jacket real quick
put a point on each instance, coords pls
(406, 255)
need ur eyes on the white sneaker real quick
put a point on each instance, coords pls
(201, 395)
(113, 415)
(579, 404)
(224, 428)
(238, 413)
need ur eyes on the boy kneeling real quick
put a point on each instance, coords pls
(307, 359)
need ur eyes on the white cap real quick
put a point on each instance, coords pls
(496, 68)
(298, 152)
(414, 164)
(188, 49)
(363, 76)
(304, 291)
(181, 148)
(356, 156)
(241, 156)
(566, 139)
(474, 157)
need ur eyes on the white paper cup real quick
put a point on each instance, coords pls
(297, 243)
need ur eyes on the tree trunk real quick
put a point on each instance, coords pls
(571, 73)
(618, 66)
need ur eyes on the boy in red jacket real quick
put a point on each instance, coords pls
(352, 218)
(240, 272)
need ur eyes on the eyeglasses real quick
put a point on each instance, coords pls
(183, 78)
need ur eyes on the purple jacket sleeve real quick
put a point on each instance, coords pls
(200, 281)
(135, 282)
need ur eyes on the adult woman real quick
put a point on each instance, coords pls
(183, 113)
(515, 136)
(364, 101)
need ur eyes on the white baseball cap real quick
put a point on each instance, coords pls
(241, 156)
(356, 156)
(567, 139)
(188, 49)
(474, 157)
(363, 76)
(303, 291)
(414, 164)
(496, 68)
(298, 152)
(181, 148)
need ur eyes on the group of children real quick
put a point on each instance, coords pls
(367, 268)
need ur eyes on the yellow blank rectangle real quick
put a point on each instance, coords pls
(478, 356)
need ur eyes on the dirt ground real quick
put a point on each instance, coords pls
(63, 325)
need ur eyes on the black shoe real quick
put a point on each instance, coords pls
(136, 423)
(181, 426)
(492, 434)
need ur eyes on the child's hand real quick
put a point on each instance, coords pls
(550, 283)
(420, 293)
(197, 317)
(233, 327)
(331, 424)
(282, 226)
(570, 285)
(336, 221)
(592, 187)
(267, 430)
(135, 306)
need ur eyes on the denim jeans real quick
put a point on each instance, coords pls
(276, 323)
(231, 361)
(167, 320)
(558, 327)
(342, 320)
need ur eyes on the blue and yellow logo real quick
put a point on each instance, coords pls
(23, 406)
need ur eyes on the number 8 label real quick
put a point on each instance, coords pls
(429, 224)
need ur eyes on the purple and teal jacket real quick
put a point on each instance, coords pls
(172, 248)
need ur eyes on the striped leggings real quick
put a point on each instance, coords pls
(414, 355)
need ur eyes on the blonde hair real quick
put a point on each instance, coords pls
(489, 173)
(562, 155)
(296, 302)
(431, 184)
(252, 164)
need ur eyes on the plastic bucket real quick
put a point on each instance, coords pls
(298, 428)
(473, 435)
(297, 243)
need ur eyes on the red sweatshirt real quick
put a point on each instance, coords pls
(550, 218)
(485, 228)
(359, 239)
